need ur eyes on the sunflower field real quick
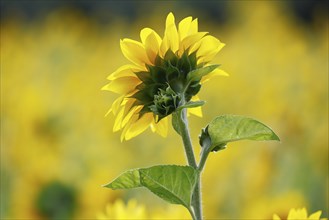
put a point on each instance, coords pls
(58, 149)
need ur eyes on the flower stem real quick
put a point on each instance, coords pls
(196, 197)
(185, 133)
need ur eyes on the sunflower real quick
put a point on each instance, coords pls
(300, 214)
(134, 210)
(164, 74)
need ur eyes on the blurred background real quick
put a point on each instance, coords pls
(58, 149)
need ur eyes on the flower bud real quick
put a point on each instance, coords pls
(165, 102)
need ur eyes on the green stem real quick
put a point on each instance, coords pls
(204, 155)
(185, 133)
(196, 197)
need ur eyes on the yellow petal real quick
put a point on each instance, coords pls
(130, 111)
(134, 51)
(152, 46)
(164, 46)
(125, 70)
(115, 106)
(209, 47)
(297, 214)
(162, 127)
(303, 213)
(190, 40)
(170, 40)
(197, 111)
(193, 27)
(145, 32)
(184, 27)
(315, 215)
(210, 56)
(292, 213)
(215, 72)
(118, 120)
(122, 113)
(153, 123)
(108, 112)
(139, 126)
(127, 126)
(276, 217)
(122, 85)
(152, 42)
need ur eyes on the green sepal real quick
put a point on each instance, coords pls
(196, 75)
(144, 77)
(191, 104)
(175, 184)
(171, 57)
(175, 121)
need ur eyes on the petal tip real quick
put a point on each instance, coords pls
(105, 88)
(170, 18)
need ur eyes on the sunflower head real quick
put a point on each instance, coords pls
(165, 73)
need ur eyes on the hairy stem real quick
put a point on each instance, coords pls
(196, 197)
(197, 200)
(187, 139)
(204, 155)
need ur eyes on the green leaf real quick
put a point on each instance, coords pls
(196, 75)
(175, 121)
(174, 184)
(127, 180)
(191, 104)
(228, 128)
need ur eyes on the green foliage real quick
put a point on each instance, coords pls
(174, 184)
(229, 128)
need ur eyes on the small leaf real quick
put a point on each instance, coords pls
(175, 121)
(196, 75)
(191, 104)
(175, 184)
(228, 128)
